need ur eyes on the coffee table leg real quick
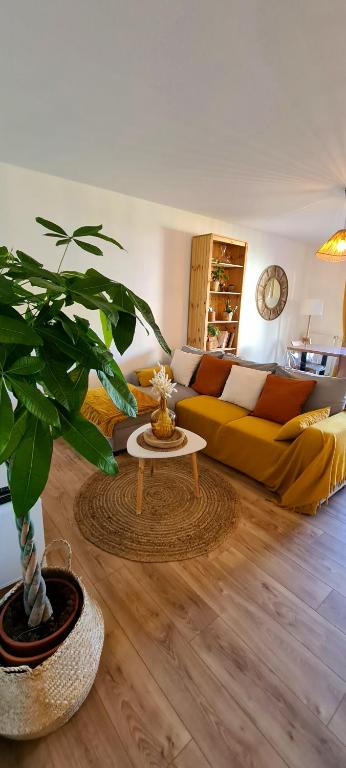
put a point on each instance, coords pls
(195, 474)
(140, 482)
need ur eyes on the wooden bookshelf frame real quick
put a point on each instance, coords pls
(205, 254)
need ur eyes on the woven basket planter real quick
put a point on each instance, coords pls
(34, 702)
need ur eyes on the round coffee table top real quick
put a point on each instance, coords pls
(194, 443)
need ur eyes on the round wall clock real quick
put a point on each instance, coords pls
(272, 292)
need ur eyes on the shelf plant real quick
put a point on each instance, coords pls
(218, 274)
(46, 355)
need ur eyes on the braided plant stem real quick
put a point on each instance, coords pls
(36, 603)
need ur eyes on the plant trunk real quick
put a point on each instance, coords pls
(36, 603)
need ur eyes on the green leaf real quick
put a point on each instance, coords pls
(6, 416)
(148, 316)
(17, 331)
(106, 329)
(79, 379)
(56, 380)
(109, 240)
(29, 468)
(92, 281)
(25, 366)
(119, 392)
(50, 286)
(88, 441)
(88, 247)
(35, 402)
(124, 332)
(81, 352)
(50, 225)
(7, 294)
(25, 259)
(16, 435)
(64, 241)
(83, 231)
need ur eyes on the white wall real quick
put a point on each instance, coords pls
(157, 262)
(325, 281)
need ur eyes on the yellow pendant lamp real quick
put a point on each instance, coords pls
(334, 249)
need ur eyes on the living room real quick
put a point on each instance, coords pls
(173, 383)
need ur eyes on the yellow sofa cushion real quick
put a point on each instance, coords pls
(144, 375)
(296, 426)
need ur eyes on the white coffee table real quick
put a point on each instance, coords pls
(194, 444)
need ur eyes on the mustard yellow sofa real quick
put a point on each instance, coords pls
(303, 472)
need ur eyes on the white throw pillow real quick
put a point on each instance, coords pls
(183, 365)
(244, 386)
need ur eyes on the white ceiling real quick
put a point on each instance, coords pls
(232, 108)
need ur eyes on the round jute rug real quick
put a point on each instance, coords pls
(173, 525)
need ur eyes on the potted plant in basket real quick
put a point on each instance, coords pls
(45, 359)
(212, 337)
(216, 276)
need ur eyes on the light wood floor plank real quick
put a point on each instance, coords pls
(316, 685)
(338, 723)
(300, 738)
(334, 610)
(191, 757)
(224, 733)
(327, 642)
(290, 575)
(147, 724)
(189, 612)
(311, 557)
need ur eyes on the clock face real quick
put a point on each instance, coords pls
(272, 292)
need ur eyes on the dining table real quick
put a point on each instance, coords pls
(339, 353)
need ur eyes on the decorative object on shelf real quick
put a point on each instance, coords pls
(211, 314)
(311, 308)
(223, 339)
(217, 275)
(213, 336)
(223, 252)
(228, 312)
(162, 419)
(271, 292)
(334, 249)
(205, 262)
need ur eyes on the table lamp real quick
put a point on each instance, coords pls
(311, 308)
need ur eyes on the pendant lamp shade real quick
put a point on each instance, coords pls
(335, 248)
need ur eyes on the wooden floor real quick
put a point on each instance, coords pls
(235, 660)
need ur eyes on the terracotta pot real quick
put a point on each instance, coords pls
(9, 660)
(37, 650)
(227, 316)
(214, 285)
(212, 315)
(211, 343)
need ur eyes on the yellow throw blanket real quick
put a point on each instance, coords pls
(313, 467)
(100, 409)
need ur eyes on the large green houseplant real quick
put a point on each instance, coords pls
(45, 359)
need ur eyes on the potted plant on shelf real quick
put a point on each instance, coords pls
(212, 338)
(216, 276)
(211, 314)
(45, 359)
(228, 312)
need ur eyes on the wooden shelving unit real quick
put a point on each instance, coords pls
(205, 256)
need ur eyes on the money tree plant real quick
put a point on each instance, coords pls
(45, 359)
